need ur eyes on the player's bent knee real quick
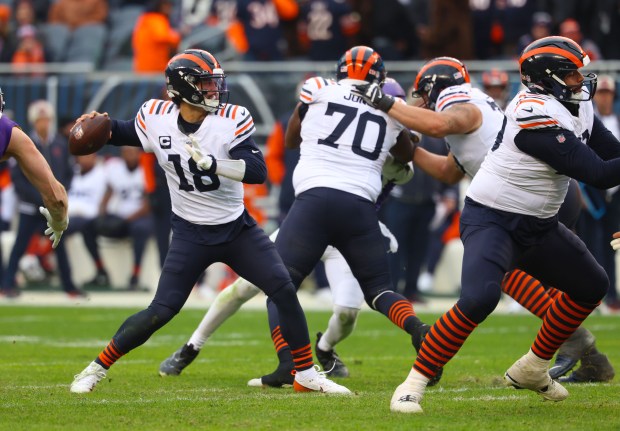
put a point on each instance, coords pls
(243, 289)
(478, 307)
(347, 316)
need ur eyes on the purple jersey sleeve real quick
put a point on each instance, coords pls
(6, 130)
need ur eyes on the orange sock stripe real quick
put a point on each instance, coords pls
(114, 349)
(110, 354)
(469, 324)
(418, 366)
(445, 334)
(541, 307)
(445, 338)
(302, 357)
(508, 285)
(399, 312)
(518, 282)
(536, 295)
(279, 342)
(553, 292)
(578, 308)
(440, 345)
(560, 322)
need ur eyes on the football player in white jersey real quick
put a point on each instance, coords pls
(470, 121)
(548, 136)
(346, 293)
(205, 147)
(344, 144)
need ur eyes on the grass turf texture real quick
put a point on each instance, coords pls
(42, 348)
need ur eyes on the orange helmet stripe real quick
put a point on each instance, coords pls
(552, 50)
(445, 62)
(560, 51)
(199, 61)
(353, 71)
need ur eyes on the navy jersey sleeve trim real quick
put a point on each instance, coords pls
(255, 166)
(124, 133)
(564, 152)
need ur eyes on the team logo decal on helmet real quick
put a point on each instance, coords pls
(196, 77)
(437, 75)
(546, 62)
(361, 63)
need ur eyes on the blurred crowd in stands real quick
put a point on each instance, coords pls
(140, 35)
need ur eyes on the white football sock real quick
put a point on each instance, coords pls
(225, 304)
(340, 326)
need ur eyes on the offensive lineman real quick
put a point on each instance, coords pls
(506, 205)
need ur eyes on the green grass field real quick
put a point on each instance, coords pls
(42, 348)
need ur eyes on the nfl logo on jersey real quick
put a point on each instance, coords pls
(561, 138)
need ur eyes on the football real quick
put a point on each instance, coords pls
(89, 135)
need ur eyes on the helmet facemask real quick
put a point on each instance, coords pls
(209, 90)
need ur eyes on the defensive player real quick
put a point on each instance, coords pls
(344, 143)
(470, 121)
(346, 293)
(205, 147)
(17, 144)
(510, 218)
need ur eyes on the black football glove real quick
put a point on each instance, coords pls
(374, 96)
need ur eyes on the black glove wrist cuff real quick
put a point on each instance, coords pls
(386, 103)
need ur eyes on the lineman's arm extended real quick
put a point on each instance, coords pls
(442, 168)
(460, 119)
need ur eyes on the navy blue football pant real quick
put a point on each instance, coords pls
(251, 254)
(30, 224)
(496, 241)
(322, 216)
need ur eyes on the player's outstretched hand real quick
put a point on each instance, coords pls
(615, 243)
(204, 162)
(374, 96)
(55, 228)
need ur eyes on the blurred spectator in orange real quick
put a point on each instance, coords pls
(78, 13)
(495, 83)
(30, 50)
(541, 27)
(7, 40)
(154, 39)
(256, 30)
(571, 29)
(326, 28)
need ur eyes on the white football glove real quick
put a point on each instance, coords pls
(374, 96)
(386, 233)
(615, 243)
(55, 228)
(396, 172)
(204, 162)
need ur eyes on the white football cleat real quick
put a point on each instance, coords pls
(318, 382)
(408, 395)
(87, 380)
(531, 372)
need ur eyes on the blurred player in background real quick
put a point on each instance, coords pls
(205, 146)
(16, 144)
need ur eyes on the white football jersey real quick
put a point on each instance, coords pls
(86, 192)
(127, 187)
(513, 181)
(344, 141)
(196, 196)
(470, 149)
